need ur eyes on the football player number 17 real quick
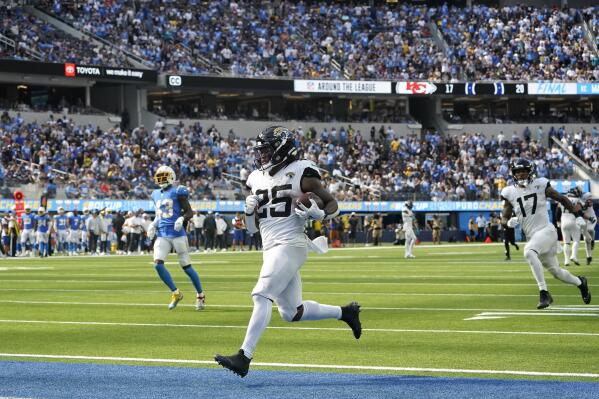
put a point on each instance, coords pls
(264, 198)
(165, 208)
(534, 203)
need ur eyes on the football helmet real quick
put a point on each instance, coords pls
(61, 210)
(41, 210)
(27, 209)
(522, 165)
(575, 192)
(274, 146)
(409, 204)
(164, 176)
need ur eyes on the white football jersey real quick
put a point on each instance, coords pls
(589, 212)
(408, 219)
(279, 223)
(529, 204)
(567, 216)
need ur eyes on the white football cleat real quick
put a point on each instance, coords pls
(201, 302)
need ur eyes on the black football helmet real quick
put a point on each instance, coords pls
(520, 165)
(575, 192)
(274, 146)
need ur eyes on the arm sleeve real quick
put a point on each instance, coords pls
(250, 223)
(310, 172)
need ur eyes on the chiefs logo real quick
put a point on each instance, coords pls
(415, 88)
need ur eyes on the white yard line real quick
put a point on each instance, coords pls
(353, 294)
(305, 281)
(299, 328)
(309, 365)
(518, 311)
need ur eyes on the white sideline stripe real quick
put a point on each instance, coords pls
(384, 330)
(537, 314)
(518, 311)
(311, 366)
(120, 304)
(361, 248)
(4, 269)
(305, 292)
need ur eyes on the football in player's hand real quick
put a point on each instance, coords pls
(306, 197)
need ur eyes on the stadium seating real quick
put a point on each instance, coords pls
(120, 164)
(36, 40)
(318, 40)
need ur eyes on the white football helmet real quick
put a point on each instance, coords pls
(61, 211)
(41, 210)
(164, 176)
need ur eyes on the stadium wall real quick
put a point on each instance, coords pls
(515, 129)
(105, 121)
(251, 129)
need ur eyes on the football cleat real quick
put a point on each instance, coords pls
(201, 301)
(517, 247)
(507, 257)
(175, 299)
(584, 290)
(575, 261)
(350, 314)
(589, 260)
(237, 363)
(545, 300)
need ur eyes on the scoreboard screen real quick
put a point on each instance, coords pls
(482, 89)
(461, 89)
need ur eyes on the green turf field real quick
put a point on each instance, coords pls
(453, 308)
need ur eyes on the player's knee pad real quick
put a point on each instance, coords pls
(291, 314)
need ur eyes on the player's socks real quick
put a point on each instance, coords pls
(193, 276)
(575, 250)
(588, 249)
(536, 267)
(566, 253)
(316, 311)
(258, 323)
(165, 276)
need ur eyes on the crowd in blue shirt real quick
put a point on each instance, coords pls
(339, 40)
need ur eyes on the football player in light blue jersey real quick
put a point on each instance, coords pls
(74, 222)
(61, 225)
(27, 232)
(42, 228)
(172, 213)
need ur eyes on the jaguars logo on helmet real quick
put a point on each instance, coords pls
(575, 192)
(518, 167)
(274, 148)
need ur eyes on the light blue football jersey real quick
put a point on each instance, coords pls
(166, 203)
(43, 223)
(28, 220)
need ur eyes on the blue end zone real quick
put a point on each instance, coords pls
(64, 380)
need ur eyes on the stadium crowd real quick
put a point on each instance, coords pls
(320, 40)
(518, 43)
(36, 39)
(90, 163)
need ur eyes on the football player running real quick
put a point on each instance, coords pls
(570, 229)
(280, 179)
(172, 213)
(589, 231)
(527, 199)
(408, 227)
